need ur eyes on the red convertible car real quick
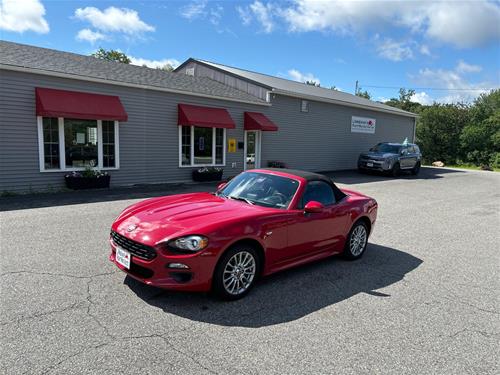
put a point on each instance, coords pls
(260, 222)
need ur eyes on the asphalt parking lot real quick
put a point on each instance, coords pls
(424, 299)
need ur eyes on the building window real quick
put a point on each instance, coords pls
(185, 145)
(304, 106)
(50, 143)
(201, 146)
(80, 140)
(75, 144)
(108, 144)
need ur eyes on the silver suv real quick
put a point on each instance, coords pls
(391, 158)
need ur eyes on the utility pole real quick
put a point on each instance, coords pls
(356, 89)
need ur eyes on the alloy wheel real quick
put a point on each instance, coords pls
(358, 240)
(239, 273)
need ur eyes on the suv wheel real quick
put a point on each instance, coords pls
(416, 169)
(396, 170)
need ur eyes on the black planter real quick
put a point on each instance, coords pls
(79, 183)
(207, 176)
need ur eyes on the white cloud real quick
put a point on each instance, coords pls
(114, 19)
(195, 9)
(21, 16)
(215, 15)
(463, 24)
(295, 75)
(90, 36)
(262, 13)
(154, 63)
(422, 98)
(395, 51)
(245, 15)
(424, 50)
(463, 67)
(458, 87)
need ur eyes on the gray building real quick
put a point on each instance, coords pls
(61, 112)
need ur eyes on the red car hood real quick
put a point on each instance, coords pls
(158, 219)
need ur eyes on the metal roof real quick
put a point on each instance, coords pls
(53, 62)
(299, 89)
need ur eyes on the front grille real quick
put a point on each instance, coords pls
(135, 248)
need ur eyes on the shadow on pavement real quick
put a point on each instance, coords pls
(21, 202)
(26, 201)
(354, 177)
(289, 295)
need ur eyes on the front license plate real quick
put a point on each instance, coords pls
(123, 257)
(369, 164)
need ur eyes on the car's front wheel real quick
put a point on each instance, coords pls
(236, 272)
(356, 242)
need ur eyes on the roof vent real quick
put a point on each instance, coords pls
(190, 72)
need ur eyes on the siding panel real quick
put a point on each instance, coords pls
(319, 140)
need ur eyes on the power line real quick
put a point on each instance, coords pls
(430, 88)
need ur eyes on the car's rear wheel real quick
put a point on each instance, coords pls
(416, 169)
(396, 170)
(356, 242)
(236, 272)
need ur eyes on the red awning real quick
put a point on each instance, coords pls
(258, 121)
(81, 105)
(205, 117)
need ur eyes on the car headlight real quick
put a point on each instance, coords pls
(189, 243)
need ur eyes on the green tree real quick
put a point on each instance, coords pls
(404, 101)
(363, 94)
(439, 129)
(111, 55)
(167, 68)
(480, 138)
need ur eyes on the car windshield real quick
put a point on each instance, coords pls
(386, 147)
(261, 189)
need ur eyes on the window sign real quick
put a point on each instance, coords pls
(201, 143)
(80, 138)
(362, 125)
(231, 145)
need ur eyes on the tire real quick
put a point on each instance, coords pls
(358, 234)
(416, 169)
(396, 170)
(361, 170)
(230, 273)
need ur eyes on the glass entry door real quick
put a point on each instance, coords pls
(252, 149)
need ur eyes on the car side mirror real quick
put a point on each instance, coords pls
(221, 186)
(313, 207)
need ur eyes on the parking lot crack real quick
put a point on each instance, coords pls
(75, 305)
(65, 359)
(55, 274)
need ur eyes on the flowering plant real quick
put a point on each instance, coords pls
(209, 170)
(88, 172)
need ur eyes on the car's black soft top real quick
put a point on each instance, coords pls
(311, 176)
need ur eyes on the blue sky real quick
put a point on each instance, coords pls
(427, 45)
